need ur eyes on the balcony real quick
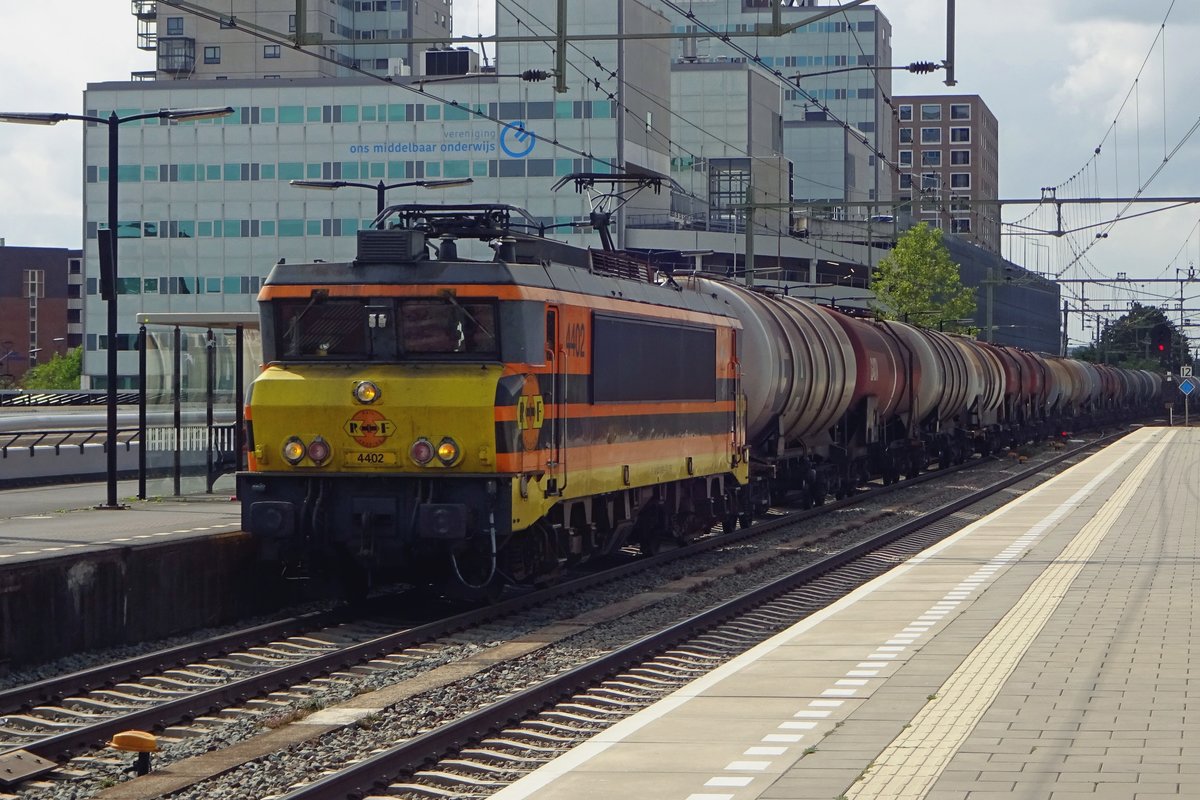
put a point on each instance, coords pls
(144, 9)
(177, 55)
(143, 75)
(147, 35)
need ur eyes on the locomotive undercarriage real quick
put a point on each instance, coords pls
(365, 530)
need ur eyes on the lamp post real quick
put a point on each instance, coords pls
(381, 188)
(113, 122)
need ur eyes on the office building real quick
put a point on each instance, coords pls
(340, 37)
(947, 147)
(830, 69)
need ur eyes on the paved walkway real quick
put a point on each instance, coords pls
(1042, 653)
(45, 521)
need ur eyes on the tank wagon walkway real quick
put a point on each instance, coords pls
(1042, 652)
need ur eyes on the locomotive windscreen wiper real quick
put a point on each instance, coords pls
(479, 325)
(293, 331)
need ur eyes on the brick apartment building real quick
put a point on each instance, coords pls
(41, 306)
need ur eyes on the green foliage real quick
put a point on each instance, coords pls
(60, 372)
(1128, 341)
(918, 282)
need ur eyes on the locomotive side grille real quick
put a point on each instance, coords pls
(388, 247)
(619, 266)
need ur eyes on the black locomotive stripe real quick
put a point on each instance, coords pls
(578, 389)
(588, 431)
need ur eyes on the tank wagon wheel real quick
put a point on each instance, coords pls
(819, 490)
(889, 470)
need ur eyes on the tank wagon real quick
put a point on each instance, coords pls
(469, 423)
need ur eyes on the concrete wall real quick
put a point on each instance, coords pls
(53, 607)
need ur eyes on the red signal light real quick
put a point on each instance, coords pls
(1162, 347)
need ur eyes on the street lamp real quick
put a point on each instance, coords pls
(381, 188)
(113, 121)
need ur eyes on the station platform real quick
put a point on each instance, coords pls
(74, 577)
(46, 521)
(1043, 652)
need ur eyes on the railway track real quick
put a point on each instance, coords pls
(279, 673)
(486, 750)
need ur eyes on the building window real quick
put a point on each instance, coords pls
(212, 55)
(931, 158)
(960, 111)
(174, 26)
(960, 225)
(960, 135)
(929, 180)
(291, 23)
(960, 158)
(906, 158)
(905, 180)
(906, 136)
(960, 180)
(931, 112)
(906, 113)
(270, 51)
(931, 135)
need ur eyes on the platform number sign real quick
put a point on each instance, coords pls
(1185, 372)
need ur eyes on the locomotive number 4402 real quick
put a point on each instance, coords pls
(372, 458)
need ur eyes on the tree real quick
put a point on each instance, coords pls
(1142, 338)
(919, 283)
(60, 372)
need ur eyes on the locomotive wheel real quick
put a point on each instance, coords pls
(652, 529)
(354, 580)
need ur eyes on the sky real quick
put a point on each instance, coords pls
(1062, 78)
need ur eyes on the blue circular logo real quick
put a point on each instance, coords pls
(515, 141)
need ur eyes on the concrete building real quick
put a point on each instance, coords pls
(40, 306)
(346, 34)
(832, 60)
(730, 152)
(948, 149)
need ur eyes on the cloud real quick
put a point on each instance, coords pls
(1152, 12)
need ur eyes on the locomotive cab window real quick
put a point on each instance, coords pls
(447, 326)
(386, 330)
(319, 328)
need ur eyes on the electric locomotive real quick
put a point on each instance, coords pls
(467, 423)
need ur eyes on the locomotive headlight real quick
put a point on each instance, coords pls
(319, 450)
(366, 392)
(447, 451)
(421, 451)
(294, 450)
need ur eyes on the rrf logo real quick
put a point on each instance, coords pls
(369, 428)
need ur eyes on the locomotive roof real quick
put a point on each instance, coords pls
(539, 263)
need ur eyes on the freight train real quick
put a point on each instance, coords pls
(469, 423)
